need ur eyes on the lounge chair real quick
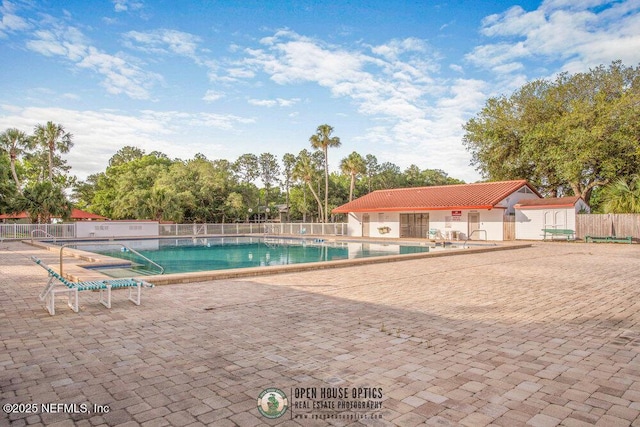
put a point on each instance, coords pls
(59, 285)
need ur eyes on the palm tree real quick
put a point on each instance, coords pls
(322, 140)
(52, 138)
(622, 196)
(43, 200)
(353, 165)
(289, 162)
(306, 170)
(14, 142)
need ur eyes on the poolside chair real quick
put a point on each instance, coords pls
(59, 285)
(435, 234)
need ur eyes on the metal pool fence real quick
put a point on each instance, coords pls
(55, 231)
(37, 231)
(329, 229)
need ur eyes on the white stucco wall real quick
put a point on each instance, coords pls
(376, 220)
(530, 222)
(117, 228)
(513, 199)
(490, 221)
(442, 220)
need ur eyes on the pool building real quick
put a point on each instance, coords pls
(478, 211)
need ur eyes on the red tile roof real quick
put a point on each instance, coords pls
(484, 195)
(551, 202)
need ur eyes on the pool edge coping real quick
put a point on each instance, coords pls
(97, 260)
(203, 276)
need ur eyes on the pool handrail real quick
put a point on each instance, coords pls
(471, 234)
(45, 234)
(112, 244)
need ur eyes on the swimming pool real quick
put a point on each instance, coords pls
(185, 255)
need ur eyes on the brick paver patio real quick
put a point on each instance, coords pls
(541, 336)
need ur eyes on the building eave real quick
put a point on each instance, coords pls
(418, 208)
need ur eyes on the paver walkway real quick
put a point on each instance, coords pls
(540, 336)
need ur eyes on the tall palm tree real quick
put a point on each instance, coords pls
(306, 170)
(14, 142)
(322, 140)
(52, 137)
(353, 165)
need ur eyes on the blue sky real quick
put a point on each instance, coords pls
(396, 79)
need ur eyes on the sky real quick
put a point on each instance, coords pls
(396, 79)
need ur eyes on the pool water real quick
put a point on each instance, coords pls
(203, 254)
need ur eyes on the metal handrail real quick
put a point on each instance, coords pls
(112, 244)
(471, 234)
(45, 233)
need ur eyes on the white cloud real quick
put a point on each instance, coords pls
(397, 47)
(127, 5)
(120, 75)
(164, 41)
(279, 102)
(263, 102)
(98, 135)
(394, 84)
(212, 96)
(395, 88)
(457, 68)
(11, 22)
(219, 121)
(581, 34)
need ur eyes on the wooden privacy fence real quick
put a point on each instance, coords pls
(620, 225)
(509, 227)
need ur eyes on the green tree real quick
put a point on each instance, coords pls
(124, 191)
(8, 190)
(269, 171)
(247, 167)
(289, 163)
(307, 170)
(353, 166)
(126, 154)
(301, 205)
(234, 206)
(42, 201)
(52, 137)
(14, 142)
(322, 140)
(84, 192)
(622, 196)
(574, 133)
(438, 177)
(414, 177)
(371, 163)
(388, 176)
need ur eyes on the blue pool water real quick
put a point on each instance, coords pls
(203, 254)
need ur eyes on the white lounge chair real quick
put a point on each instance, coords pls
(59, 285)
